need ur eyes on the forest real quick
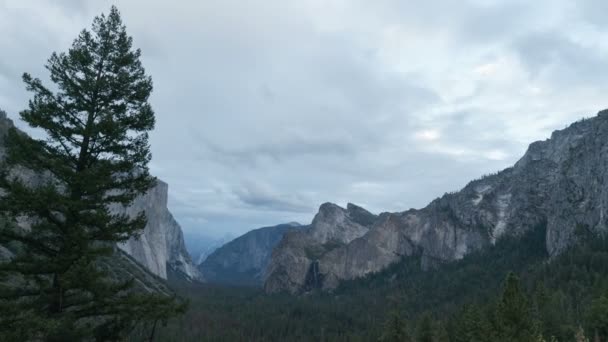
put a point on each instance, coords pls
(511, 292)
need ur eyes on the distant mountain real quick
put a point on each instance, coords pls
(161, 245)
(560, 182)
(200, 246)
(243, 261)
(295, 261)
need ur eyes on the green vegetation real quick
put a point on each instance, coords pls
(505, 293)
(94, 155)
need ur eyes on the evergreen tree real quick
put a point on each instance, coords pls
(94, 156)
(395, 329)
(426, 330)
(598, 317)
(513, 316)
(580, 335)
(442, 334)
(471, 326)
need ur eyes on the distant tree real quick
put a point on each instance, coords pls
(426, 329)
(395, 329)
(94, 156)
(442, 334)
(471, 326)
(598, 317)
(513, 316)
(580, 335)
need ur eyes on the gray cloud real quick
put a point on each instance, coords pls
(557, 58)
(264, 197)
(594, 12)
(266, 109)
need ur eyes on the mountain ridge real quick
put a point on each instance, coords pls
(560, 180)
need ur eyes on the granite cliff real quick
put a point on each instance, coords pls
(561, 182)
(161, 245)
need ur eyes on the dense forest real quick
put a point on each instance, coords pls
(511, 292)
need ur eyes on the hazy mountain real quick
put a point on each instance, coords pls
(243, 261)
(200, 246)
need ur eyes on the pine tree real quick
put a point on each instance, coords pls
(395, 329)
(580, 335)
(513, 315)
(598, 317)
(426, 329)
(471, 326)
(94, 156)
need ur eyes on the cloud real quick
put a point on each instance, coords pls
(427, 135)
(266, 109)
(264, 197)
(556, 58)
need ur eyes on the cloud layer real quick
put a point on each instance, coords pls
(266, 109)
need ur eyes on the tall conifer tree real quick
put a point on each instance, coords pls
(94, 156)
(513, 314)
(395, 329)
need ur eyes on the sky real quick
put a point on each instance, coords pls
(268, 108)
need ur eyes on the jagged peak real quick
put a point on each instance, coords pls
(327, 206)
(328, 212)
(360, 215)
(353, 208)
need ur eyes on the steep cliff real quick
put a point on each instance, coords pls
(161, 245)
(295, 261)
(561, 181)
(244, 260)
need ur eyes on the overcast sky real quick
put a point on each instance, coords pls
(268, 108)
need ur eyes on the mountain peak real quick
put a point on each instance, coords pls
(559, 184)
(360, 215)
(329, 207)
(353, 207)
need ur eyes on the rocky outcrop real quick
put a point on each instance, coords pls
(300, 253)
(244, 260)
(161, 245)
(561, 182)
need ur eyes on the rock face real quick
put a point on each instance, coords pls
(561, 182)
(162, 243)
(300, 255)
(244, 260)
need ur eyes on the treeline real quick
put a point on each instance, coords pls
(562, 300)
(510, 292)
